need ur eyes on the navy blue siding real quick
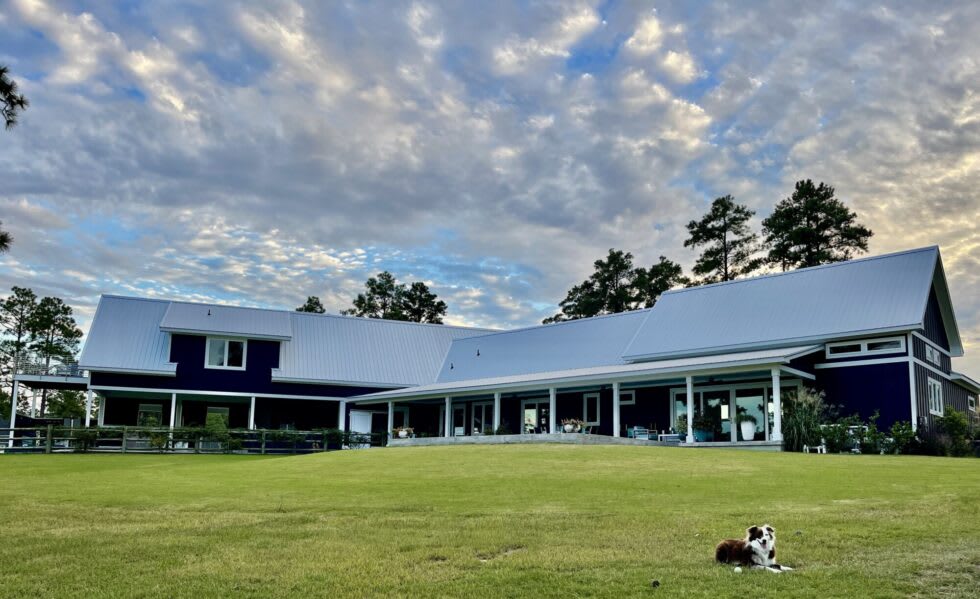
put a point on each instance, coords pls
(863, 389)
(954, 395)
(262, 356)
(933, 321)
(920, 352)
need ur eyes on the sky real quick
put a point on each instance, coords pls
(258, 152)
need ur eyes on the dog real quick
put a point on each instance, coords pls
(756, 550)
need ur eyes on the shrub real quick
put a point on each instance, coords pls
(871, 439)
(838, 435)
(903, 437)
(215, 428)
(803, 413)
(503, 429)
(955, 430)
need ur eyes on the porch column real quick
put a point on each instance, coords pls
(391, 419)
(690, 409)
(342, 416)
(251, 414)
(496, 412)
(449, 416)
(552, 408)
(13, 412)
(101, 411)
(88, 408)
(34, 404)
(173, 410)
(777, 418)
(616, 409)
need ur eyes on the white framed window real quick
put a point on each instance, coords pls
(933, 356)
(627, 398)
(225, 353)
(590, 409)
(865, 347)
(971, 402)
(935, 396)
(149, 415)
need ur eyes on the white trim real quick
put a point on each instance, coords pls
(627, 402)
(971, 403)
(100, 369)
(448, 414)
(894, 360)
(913, 390)
(765, 385)
(173, 410)
(552, 410)
(88, 408)
(227, 341)
(799, 373)
(251, 414)
(863, 347)
(935, 389)
(291, 379)
(929, 341)
(215, 393)
(598, 408)
(232, 334)
(616, 405)
(932, 369)
(496, 411)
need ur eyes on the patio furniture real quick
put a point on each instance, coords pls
(669, 438)
(638, 432)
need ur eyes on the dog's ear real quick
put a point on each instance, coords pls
(754, 532)
(770, 530)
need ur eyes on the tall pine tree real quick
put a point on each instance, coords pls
(730, 247)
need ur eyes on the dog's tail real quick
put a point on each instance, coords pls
(721, 553)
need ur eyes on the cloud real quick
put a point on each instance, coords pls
(259, 152)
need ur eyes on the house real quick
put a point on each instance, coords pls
(875, 334)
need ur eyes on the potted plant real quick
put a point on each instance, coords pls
(403, 432)
(572, 425)
(747, 423)
(704, 428)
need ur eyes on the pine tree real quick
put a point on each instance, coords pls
(730, 247)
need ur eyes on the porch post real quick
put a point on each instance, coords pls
(251, 414)
(101, 410)
(616, 409)
(342, 416)
(391, 419)
(33, 405)
(690, 409)
(88, 408)
(496, 412)
(173, 410)
(449, 416)
(13, 412)
(552, 408)
(777, 419)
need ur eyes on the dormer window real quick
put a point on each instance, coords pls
(225, 353)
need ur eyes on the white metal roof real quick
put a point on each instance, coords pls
(622, 372)
(561, 346)
(255, 323)
(871, 295)
(125, 336)
(350, 350)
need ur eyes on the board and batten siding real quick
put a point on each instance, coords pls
(954, 395)
(933, 327)
(919, 347)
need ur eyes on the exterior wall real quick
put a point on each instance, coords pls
(953, 395)
(188, 352)
(863, 389)
(933, 321)
(919, 347)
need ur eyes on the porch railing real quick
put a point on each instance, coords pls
(56, 439)
(60, 369)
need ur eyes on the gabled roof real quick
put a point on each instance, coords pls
(664, 369)
(125, 336)
(130, 334)
(364, 351)
(597, 341)
(208, 319)
(873, 295)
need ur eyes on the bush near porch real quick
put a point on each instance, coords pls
(514, 521)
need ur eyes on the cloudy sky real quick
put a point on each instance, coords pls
(258, 152)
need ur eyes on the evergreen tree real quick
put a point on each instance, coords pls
(5, 240)
(10, 101)
(651, 283)
(384, 297)
(813, 227)
(16, 316)
(313, 304)
(730, 247)
(54, 334)
(421, 305)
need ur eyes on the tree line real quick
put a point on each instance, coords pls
(808, 228)
(38, 331)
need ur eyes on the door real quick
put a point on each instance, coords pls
(459, 420)
(481, 422)
(535, 414)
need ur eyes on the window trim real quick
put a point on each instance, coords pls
(934, 388)
(226, 341)
(933, 356)
(971, 403)
(598, 408)
(154, 407)
(863, 345)
(627, 402)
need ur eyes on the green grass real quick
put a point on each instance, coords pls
(504, 521)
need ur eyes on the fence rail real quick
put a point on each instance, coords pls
(56, 439)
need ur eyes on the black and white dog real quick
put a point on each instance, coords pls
(756, 550)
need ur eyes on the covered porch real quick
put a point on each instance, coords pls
(726, 400)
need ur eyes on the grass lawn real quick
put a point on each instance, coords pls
(532, 521)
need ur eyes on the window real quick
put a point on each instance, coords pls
(971, 402)
(933, 356)
(627, 398)
(866, 347)
(935, 397)
(225, 353)
(590, 409)
(149, 415)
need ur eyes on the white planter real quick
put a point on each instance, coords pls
(569, 428)
(402, 434)
(748, 430)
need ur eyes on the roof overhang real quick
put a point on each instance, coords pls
(622, 373)
(277, 378)
(170, 369)
(945, 308)
(964, 381)
(220, 333)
